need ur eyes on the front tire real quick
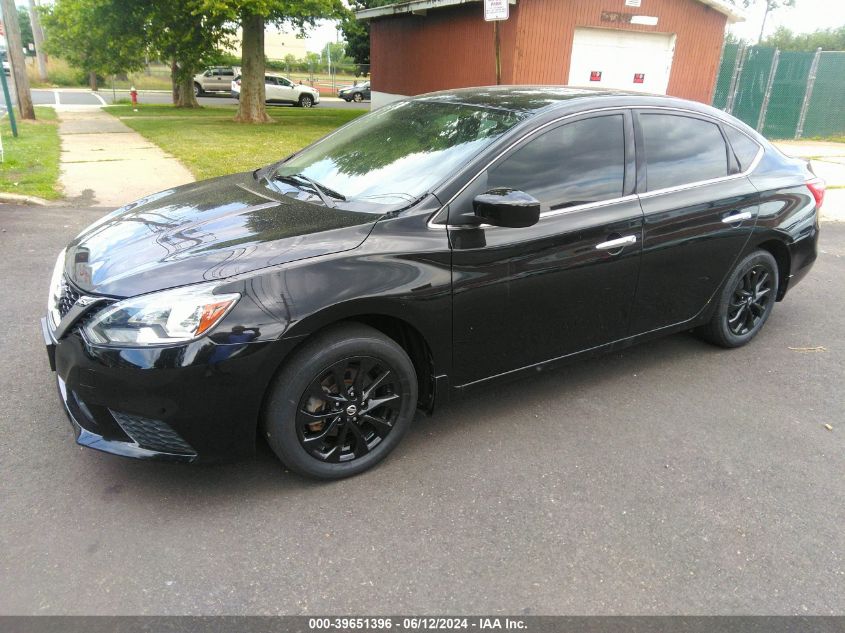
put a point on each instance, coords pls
(198, 91)
(745, 302)
(306, 101)
(341, 403)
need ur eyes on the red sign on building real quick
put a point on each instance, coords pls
(595, 75)
(639, 78)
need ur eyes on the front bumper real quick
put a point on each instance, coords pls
(194, 402)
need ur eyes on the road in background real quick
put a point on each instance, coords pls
(668, 478)
(77, 97)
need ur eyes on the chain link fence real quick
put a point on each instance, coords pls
(783, 94)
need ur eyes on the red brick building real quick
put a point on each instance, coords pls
(660, 46)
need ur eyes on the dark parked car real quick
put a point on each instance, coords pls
(357, 93)
(434, 245)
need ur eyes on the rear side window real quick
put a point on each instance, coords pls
(744, 148)
(573, 164)
(680, 150)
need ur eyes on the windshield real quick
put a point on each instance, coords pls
(399, 152)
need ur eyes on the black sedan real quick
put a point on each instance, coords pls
(357, 93)
(434, 245)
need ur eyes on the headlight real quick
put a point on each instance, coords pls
(56, 289)
(171, 316)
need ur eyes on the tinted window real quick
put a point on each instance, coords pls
(744, 148)
(227, 73)
(284, 82)
(573, 164)
(270, 80)
(681, 150)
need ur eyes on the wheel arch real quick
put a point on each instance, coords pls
(780, 251)
(404, 333)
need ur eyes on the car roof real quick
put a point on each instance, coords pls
(535, 99)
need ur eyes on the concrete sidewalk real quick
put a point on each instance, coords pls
(828, 161)
(106, 163)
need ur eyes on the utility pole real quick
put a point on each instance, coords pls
(38, 36)
(14, 49)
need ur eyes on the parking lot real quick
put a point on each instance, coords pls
(672, 477)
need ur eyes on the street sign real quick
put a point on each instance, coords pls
(496, 10)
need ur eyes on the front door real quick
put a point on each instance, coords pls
(527, 295)
(699, 211)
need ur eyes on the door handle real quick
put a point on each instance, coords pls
(619, 242)
(737, 217)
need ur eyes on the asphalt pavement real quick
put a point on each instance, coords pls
(672, 477)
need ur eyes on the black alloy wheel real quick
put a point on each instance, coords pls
(348, 409)
(341, 403)
(750, 300)
(745, 301)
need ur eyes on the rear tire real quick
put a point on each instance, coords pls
(745, 302)
(341, 403)
(358, 97)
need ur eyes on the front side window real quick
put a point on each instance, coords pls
(401, 151)
(576, 163)
(681, 150)
(271, 81)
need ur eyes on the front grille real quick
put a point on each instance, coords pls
(67, 297)
(153, 435)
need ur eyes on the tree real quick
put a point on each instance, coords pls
(99, 36)
(771, 5)
(357, 32)
(26, 30)
(38, 40)
(16, 59)
(832, 39)
(253, 16)
(178, 31)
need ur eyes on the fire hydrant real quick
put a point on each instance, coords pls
(133, 94)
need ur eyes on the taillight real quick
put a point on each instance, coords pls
(817, 187)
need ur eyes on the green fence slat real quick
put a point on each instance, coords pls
(787, 94)
(826, 113)
(751, 85)
(726, 70)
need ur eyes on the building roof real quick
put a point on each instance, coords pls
(420, 7)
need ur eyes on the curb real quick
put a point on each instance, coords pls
(22, 199)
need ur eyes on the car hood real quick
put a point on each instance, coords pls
(205, 231)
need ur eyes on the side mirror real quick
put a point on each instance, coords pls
(507, 207)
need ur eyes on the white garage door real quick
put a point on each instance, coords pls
(608, 58)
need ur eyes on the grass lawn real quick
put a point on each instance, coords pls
(31, 165)
(210, 143)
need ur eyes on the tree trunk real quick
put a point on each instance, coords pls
(15, 53)
(174, 82)
(92, 81)
(38, 38)
(251, 108)
(186, 98)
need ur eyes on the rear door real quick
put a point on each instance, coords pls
(527, 295)
(698, 209)
(286, 90)
(271, 88)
